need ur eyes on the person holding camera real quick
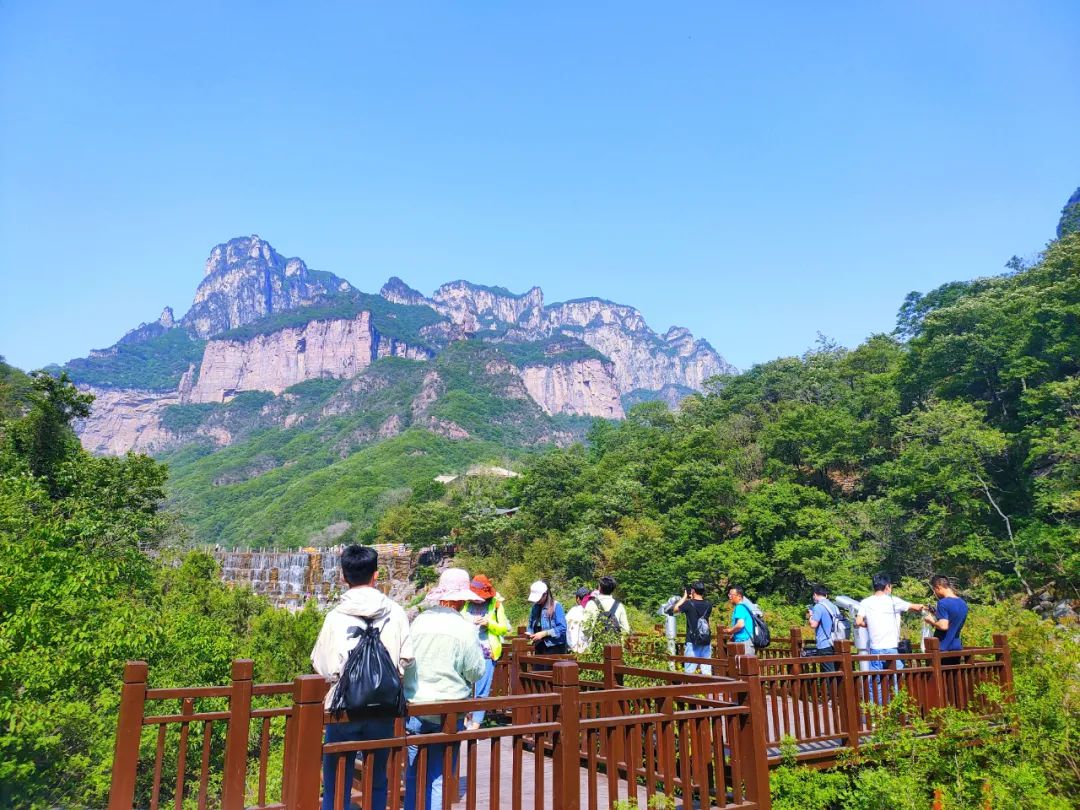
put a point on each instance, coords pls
(697, 610)
(824, 618)
(948, 617)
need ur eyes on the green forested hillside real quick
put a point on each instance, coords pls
(353, 447)
(952, 446)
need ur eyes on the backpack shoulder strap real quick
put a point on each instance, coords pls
(614, 606)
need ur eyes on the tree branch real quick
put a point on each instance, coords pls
(1008, 529)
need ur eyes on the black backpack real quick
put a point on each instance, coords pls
(370, 684)
(761, 636)
(699, 632)
(608, 620)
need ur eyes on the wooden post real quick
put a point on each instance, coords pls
(307, 714)
(734, 650)
(518, 648)
(937, 676)
(752, 735)
(1005, 657)
(612, 658)
(234, 773)
(125, 764)
(796, 640)
(848, 695)
(566, 788)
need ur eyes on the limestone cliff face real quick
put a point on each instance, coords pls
(246, 279)
(273, 362)
(126, 419)
(641, 358)
(581, 388)
(477, 308)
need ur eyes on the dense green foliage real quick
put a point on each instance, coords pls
(956, 450)
(155, 364)
(352, 449)
(1070, 215)
(80, 594)
(555, 350)
(1034, 767)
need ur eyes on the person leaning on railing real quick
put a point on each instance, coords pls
(448, 663)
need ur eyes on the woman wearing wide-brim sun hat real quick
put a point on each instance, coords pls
(547, 621)
(491, 625)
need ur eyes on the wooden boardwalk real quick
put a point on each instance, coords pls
(525, 796)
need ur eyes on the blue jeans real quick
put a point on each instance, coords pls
(878, 666)
(434, 787)
(483, 687)
(357, 730)
(698, 651)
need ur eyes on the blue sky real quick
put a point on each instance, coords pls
(755, 174)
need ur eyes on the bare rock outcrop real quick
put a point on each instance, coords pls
(641, 358)
(335, 348)
(126, 419)
(581, 388)
(245, 279)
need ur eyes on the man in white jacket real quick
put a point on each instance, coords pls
(360, 605)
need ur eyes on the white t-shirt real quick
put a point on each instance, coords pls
(575, 629)
(882, 614)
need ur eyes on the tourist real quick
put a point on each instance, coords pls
(948, 617)
(880, 615)
(612, 611)
(824, 618)
(547, 621)
(577, 639)
(742, 621)
(448, 663)
(697, 610)
(491, 625)
(362, 602)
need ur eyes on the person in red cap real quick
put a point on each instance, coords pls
(491, 625)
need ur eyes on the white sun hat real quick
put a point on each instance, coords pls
(537, 591)
(453, 587)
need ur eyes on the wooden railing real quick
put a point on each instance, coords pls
(567, 743)
(570, 733)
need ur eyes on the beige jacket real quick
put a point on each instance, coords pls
(333, 645)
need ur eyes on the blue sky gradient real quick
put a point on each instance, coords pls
(754, 174)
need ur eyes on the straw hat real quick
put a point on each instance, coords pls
(453, 587)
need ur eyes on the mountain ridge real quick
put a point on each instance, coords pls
(261, 324)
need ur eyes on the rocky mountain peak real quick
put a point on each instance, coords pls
(476, 307)
(246, 279)
(239, 251)
(167, 319)
(397, 291)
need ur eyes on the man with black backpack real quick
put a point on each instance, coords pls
(697, 610)
(363, 649)
(612, 612)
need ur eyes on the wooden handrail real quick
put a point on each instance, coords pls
(547, 702)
